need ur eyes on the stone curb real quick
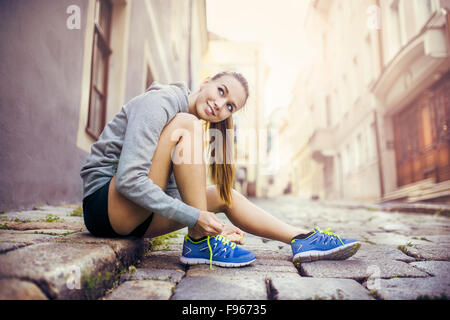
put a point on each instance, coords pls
(76, 267)
(60, 263)
(403, 257)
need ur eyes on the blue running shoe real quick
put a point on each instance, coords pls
(323, 245)
(216, 250)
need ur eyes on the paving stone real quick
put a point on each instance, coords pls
(173, 276)
(282, 254)
(220, 288)
(428, 252)
(15, 289)
(127, 250)
(412, 288)
(357, 269)
(254, 268)
(23, 226)
(393, 239)
(438, 239)
(55, 267)
(381, 252)
(396, 227)
(9, 246)
(52, 232)
(439, 269)
(64, 209)
(268, 245)
(11, 239)
(61, 214)
(174, 243)
(301, 288)
(275, 265)
(142, 290)
(163, 260)
(431, 228)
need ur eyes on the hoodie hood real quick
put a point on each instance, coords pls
(179, 89)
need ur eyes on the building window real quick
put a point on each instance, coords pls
(348, 159)
(372, 142)
(328, 111)
(369, 60)
(346, 94)
(395, 31)
(359, 152)
(356, 83)
(99, 71)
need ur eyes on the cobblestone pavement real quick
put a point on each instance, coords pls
(47, 253)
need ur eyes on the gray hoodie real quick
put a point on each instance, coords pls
(126, 148)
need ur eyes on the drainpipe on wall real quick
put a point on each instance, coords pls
(375, 114)
(380, 42)
(380, 164)
(445, 11)
(189, 79)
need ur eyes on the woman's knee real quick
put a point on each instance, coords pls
(215, 202)
(187, 122)
(183, 126)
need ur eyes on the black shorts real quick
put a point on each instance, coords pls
(95, 213)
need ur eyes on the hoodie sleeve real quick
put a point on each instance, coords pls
(147, 116)
(172, 189)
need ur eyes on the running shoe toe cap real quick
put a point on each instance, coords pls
(348, 241)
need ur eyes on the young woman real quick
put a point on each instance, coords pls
(155, 143)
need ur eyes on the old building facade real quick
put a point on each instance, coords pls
(371, 109)
(69, 66)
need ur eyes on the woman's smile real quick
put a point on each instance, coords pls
(209, 110)
(218, 99)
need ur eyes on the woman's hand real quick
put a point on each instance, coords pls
(208, 225)
(233, 234)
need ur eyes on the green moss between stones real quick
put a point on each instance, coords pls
(78, 212)
(4, 226)
(52, 218)
(96, 285)
(161, 243)
(58, 234)
(297, 263)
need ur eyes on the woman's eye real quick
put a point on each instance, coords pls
(221, 91)
(230, 107)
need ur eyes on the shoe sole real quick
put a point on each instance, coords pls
(339, 253)
(194, 261)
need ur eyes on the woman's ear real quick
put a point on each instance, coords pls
(204, 82)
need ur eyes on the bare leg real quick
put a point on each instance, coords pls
(190, 174)
(191, 181)
(252, 219)
(125, 215)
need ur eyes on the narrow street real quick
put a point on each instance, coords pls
(403, 256)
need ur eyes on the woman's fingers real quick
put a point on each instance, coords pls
(208, 224)
(234, 234)
(217, 224)
(232, 229)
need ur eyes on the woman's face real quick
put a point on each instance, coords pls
(218, 99)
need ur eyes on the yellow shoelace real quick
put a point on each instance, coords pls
(224, 240)
(328, 232)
